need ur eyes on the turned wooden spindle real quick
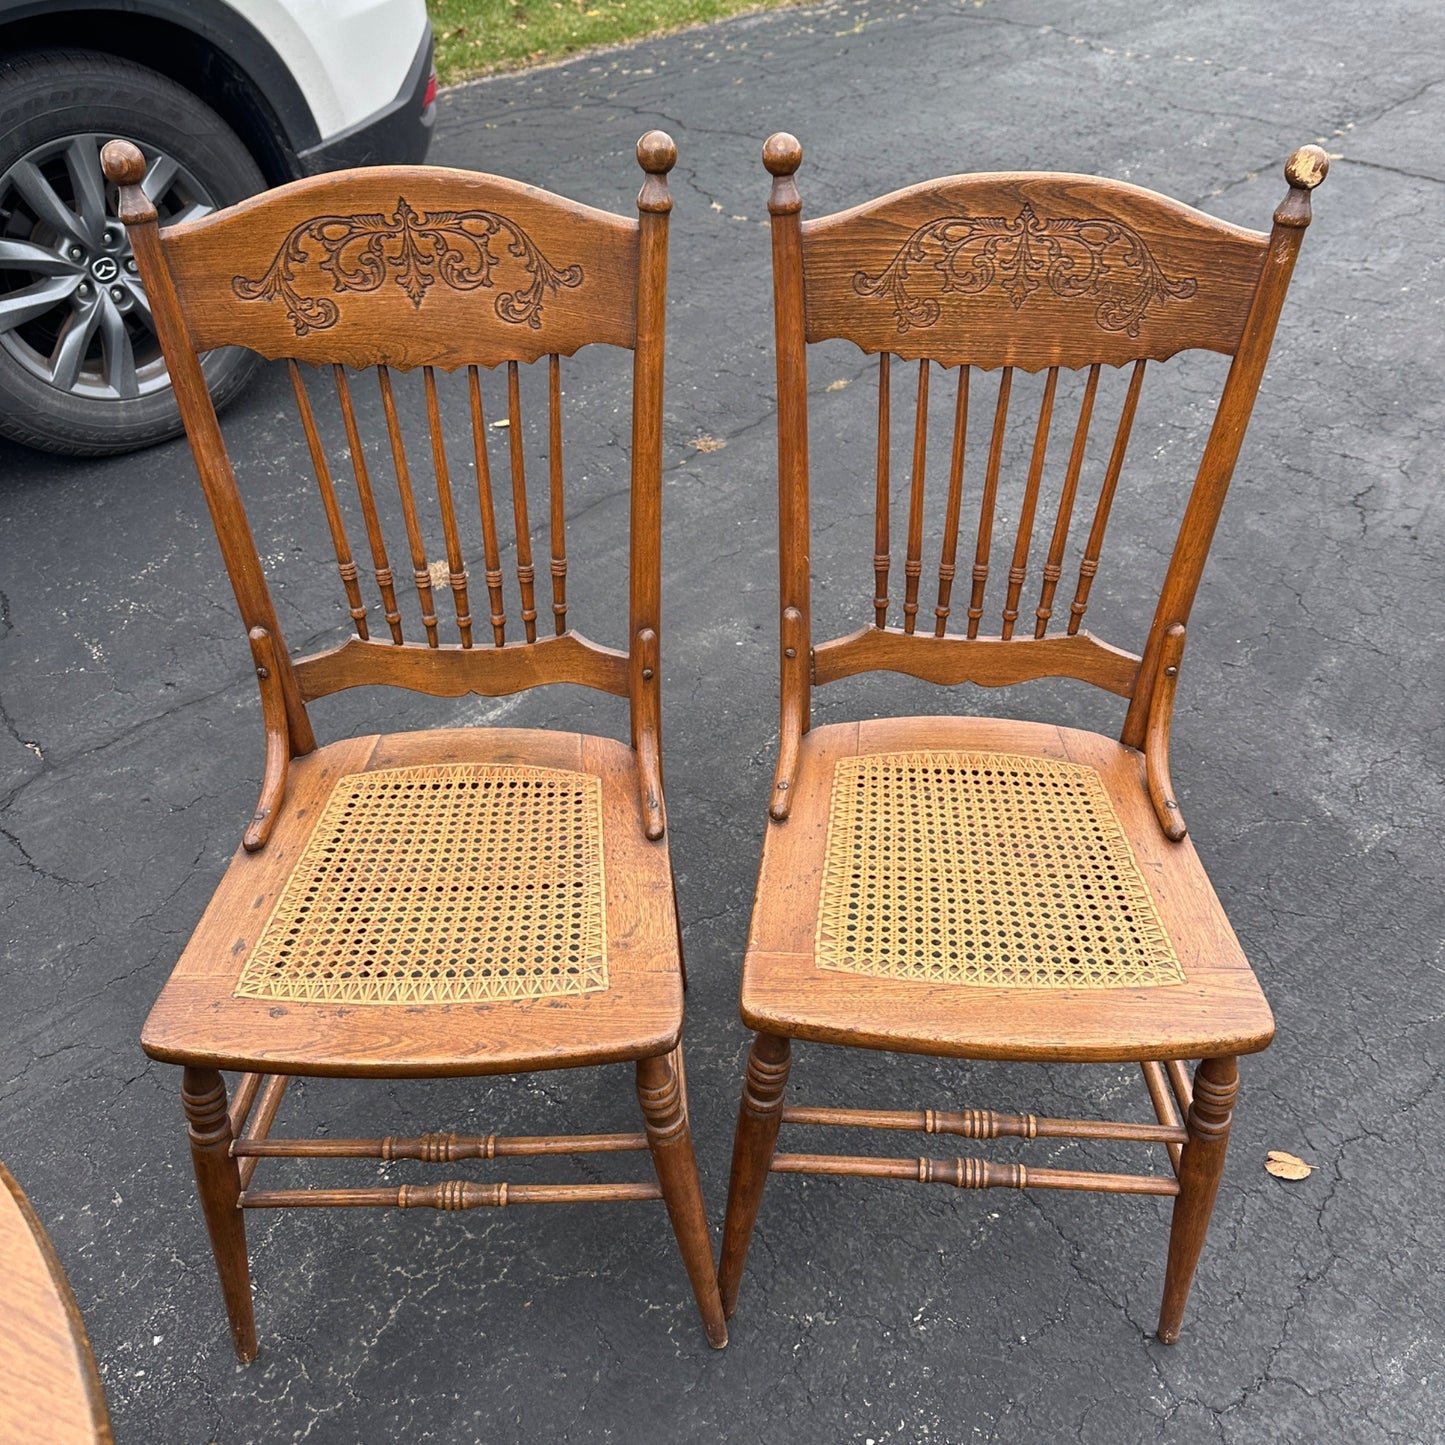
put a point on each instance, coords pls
(759, 1115)
(913, 563)
(491, 555)
(1201, 1166)
(526, 572)
(374, 535)
(421, 568)
(1054, 563)
(1089, 566)
(208, 1123)
(989, 501)
(1019, 566)
(881, 553)
(559, 506)
(345, 565)
(669, 1136)
(947, 565)
(973, 1174)
(456, 566)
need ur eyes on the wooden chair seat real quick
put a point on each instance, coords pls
(1206, 1003)
(623, 1002)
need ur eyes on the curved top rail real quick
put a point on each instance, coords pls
(1029, 270)
(408, 266)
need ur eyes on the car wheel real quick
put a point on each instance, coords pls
(81, 370)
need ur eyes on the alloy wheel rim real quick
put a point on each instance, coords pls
(73, 312)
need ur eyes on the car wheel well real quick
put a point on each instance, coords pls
(179, 54)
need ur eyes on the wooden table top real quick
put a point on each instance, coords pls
(49, 1387)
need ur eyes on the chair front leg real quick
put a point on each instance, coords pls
(1216, 1085)
(669, 1135)
(203, 1095)
(759, 1115)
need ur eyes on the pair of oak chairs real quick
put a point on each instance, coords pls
(481, 901)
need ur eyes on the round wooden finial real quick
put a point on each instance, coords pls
(123, 163)
(657, 153)
(1306, 168)
(782, 154)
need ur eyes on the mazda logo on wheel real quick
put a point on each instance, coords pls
(105, 269)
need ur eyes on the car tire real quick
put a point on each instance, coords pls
(55, 107)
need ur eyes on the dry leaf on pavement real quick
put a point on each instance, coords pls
(1287, 1166)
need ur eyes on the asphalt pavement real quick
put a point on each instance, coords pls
(1307, 753)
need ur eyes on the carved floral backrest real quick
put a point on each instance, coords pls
(407, 266)
(1029, 271)
(1066, 276)
(428, 271)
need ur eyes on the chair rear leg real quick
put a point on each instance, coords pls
(669, 1135)
(203, 1095)
(1216, 1084)
(759, 1116)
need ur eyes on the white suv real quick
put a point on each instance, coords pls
(225, 98)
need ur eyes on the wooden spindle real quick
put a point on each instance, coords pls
(913, 564)
(559, 509)
(491, 556)
(456, 567)
(374, 537)
(1018, 568)
(1090, 564)
(440, 1148)
(1054, 565)
(990, 497)
(973, 1174)
(526, 573)
(880, 526)
(453, 1195)
(344, 563)
(946, 564)
(421, 571)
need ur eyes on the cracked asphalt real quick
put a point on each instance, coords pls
(1307, 753)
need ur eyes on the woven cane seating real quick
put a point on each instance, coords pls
(463, 901)
(986, 870)
(968, 887)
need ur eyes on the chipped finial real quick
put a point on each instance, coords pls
(123, 163)
(782, 154)
(1306, 168)
(656, 154)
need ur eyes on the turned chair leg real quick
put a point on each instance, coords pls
(203, 1095)
(759, 1115)
(669, 1135)
(1216, 1083)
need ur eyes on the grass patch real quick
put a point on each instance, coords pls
(476, 37)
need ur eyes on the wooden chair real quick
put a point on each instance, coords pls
(969, 887)
(457, 902)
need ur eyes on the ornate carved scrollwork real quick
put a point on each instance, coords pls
(1089, 257)
(416, 250)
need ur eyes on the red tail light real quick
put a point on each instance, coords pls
(431, 91)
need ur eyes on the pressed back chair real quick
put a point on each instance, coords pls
(458, 902)
(970, 887)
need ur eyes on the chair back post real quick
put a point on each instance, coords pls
(125, 167)
(656, 154)
(782, 156)
(1304, 170)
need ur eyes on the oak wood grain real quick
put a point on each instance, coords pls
(50, 1391)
